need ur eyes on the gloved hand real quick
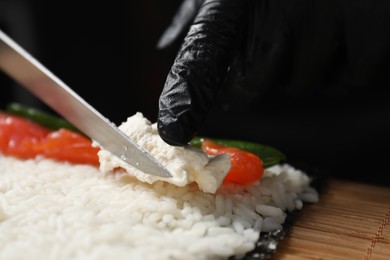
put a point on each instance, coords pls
(252, 47)
(199, 69)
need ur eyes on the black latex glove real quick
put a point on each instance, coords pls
(295, 47)
(199, 70)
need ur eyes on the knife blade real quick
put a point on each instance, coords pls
(18, 64)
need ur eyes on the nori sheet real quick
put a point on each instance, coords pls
(268, 241)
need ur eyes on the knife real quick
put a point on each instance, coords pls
(18, 64)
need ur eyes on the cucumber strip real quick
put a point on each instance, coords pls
(270, 156)
(40, 117)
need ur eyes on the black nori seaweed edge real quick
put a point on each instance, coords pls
(267, 244)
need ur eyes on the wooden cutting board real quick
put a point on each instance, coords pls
(351, 221)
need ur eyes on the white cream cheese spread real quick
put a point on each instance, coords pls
(186, 164)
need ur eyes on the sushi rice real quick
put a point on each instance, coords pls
(55, 210)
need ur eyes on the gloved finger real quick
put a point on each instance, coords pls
(198, 70)
(180, 21)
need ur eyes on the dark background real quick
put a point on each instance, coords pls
(107, 53)
(104, 51)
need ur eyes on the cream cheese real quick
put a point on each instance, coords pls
(186, 164)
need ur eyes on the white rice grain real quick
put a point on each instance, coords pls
(268, 211)
(3, 216)
(269, 224)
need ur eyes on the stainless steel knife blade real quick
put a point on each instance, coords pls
(30, 73)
